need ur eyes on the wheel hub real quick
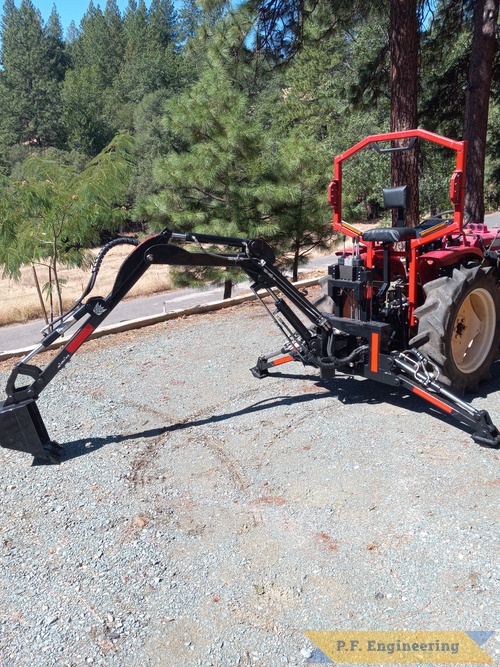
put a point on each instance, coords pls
(473, 331)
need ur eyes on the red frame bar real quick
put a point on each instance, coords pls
(457, 195)
(460, 148)
(283, 360)
(374, 352)
(432, 399)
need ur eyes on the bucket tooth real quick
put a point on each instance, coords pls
(52, 455)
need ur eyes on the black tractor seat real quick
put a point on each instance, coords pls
(389, 234)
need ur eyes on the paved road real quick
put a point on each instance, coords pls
(23, 335)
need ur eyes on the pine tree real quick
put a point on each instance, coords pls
(91, 117)
(477, 104)
(208, 184)
(135, 24)
(88, 128)
(458, 72)
(72, 34)
(310, 102)
(58, 57)
(404, 89)
(115, 46)
(209, 179)
(94, 45)
(150, 62)
(445, 55)
(162, 22)
(33, 63)
(190, 15)
(152, 140)
(293, 196)
(226, 175)
(9, 27)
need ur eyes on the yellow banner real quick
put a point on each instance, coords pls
(405, 647)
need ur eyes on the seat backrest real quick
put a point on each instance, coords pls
(397, 198)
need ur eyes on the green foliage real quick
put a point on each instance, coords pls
(437, 165)
(211, 183)
(57, 56)
(33, 65)
(115, 38)
(225, 175)
(492, 180)
(315, 99)
(237, 111)
(189, 20)
(87, 126)
(364, 177)
(99, 43)
(369, 62)
(293, 197)
(445, 59)
(152, 140)
(55, 212)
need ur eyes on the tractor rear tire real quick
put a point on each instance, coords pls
(459, 326)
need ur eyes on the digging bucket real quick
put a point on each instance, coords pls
(22, 429)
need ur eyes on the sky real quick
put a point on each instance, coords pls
(70, 10)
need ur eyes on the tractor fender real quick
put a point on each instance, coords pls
(430, 263)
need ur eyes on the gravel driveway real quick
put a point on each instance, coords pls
(203, 517)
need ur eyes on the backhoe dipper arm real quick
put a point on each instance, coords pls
(255, 258)
(21, 425)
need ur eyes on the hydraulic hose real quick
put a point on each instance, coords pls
(330, 363)
(99, 259)
(95, 270)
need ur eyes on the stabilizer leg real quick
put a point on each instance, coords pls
(261, 369)
(417, 379)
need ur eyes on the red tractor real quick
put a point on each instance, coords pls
(417, 308)
(437, 284)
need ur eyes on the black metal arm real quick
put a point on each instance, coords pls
(256, 258)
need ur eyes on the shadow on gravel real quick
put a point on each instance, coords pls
(491, 386)
(358, 391)
(77, 448)
(348, 390)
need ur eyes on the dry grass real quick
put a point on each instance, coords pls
(19, 301)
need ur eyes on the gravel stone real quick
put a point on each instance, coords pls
(202, 517)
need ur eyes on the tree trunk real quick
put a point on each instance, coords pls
(56, 277)
(51, 298)
(228, 288)
(404, 90)
(40, 295)
(295, 265)
(476, 104)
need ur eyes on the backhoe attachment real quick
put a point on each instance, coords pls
(314, 338)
